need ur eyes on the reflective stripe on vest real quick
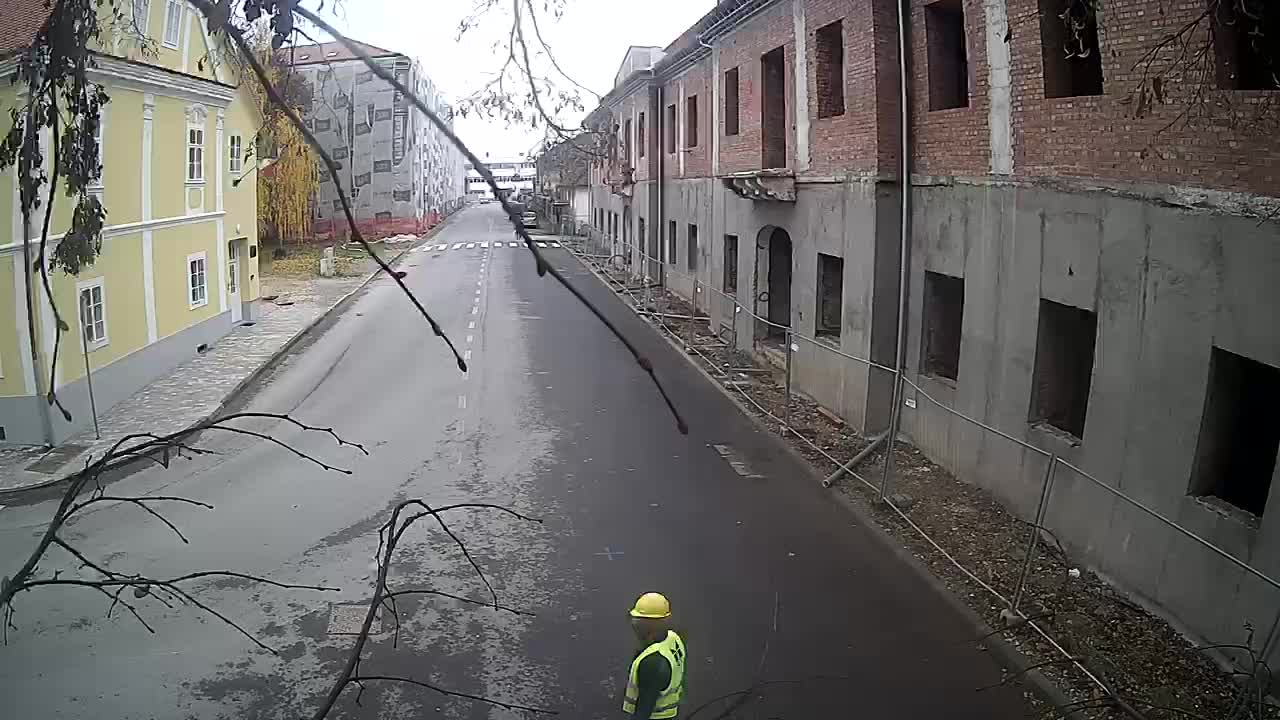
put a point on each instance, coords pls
(668, 704)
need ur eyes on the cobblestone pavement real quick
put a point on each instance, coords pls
(198, 387)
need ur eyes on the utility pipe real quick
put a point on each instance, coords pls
(862, 455)
(904, 179)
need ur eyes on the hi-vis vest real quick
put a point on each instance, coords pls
(672, 648)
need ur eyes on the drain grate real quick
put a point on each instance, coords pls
(49, 463)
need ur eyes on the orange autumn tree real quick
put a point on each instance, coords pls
(288, 176)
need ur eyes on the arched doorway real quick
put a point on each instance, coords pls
(773, 281)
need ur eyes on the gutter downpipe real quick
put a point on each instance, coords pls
(661, 152)
(904, 179)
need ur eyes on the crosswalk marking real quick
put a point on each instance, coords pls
(484, 245)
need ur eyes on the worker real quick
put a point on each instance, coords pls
(655, 685)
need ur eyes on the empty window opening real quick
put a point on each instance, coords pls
(640, 136)
(671, 242)
(948, 56)
(943, 315)
(671, 129)
(731, 101)
(1069, 45)
(829, 76)
(1064, 367)
(692, 248)
(626, 146)
(773, 109)
(1236, 453)
(691, 121)
(730, 264)
(1247, 44)
(830, 294)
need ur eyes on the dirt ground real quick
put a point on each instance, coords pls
(1148, 666)
(303, 260)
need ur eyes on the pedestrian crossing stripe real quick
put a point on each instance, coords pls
(472, 246)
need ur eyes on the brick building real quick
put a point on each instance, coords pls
(1090, 269)
(399, 170)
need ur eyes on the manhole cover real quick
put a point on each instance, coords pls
(55, 458)
(348, 619)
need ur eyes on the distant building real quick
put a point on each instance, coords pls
(564, 177)
(513, 176)
(400, 171)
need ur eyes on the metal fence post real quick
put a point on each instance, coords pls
(891, 436)
(786, 408)
(1034, 536)
(733, 333)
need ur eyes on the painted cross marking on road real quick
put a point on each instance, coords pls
(610, 553)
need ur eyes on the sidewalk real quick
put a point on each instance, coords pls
(195, 389)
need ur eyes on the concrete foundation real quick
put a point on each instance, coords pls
(112, 383)
(1166, 286)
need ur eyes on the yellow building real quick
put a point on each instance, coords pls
(178, 267)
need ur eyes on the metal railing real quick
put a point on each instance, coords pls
(647, 301)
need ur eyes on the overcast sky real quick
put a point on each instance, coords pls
(589, 42)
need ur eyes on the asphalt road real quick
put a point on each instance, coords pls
(770, 579)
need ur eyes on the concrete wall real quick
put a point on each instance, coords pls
(1167, 285)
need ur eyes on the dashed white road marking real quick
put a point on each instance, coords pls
(442, 247)
(555, 244)
(457, 245)
(470, 338)
(515, 244)
(462, 402)
(484, 244)
(466, 356)
(470, 245)
(542, 244)
(471, 325)
(475, 310)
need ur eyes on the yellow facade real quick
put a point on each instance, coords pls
(158, 217)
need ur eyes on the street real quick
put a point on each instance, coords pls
(770, 579)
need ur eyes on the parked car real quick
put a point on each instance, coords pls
(529, 219)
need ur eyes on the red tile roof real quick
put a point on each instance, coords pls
(324, 52)
(20, 20)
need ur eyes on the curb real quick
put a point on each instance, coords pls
(1004, 652)
(232, 394)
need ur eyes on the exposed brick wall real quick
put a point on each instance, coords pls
(848, 141)
(743, 48)
(1099, 136)
(1093, 137)
(693, 82)
(955, 141)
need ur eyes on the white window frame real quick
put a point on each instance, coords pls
(142, 25)
(235, 152)
(191, 165)
(99, 284)
(192, 302)
(170, 24)
(95, 183)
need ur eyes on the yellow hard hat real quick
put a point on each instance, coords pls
(652, 606)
